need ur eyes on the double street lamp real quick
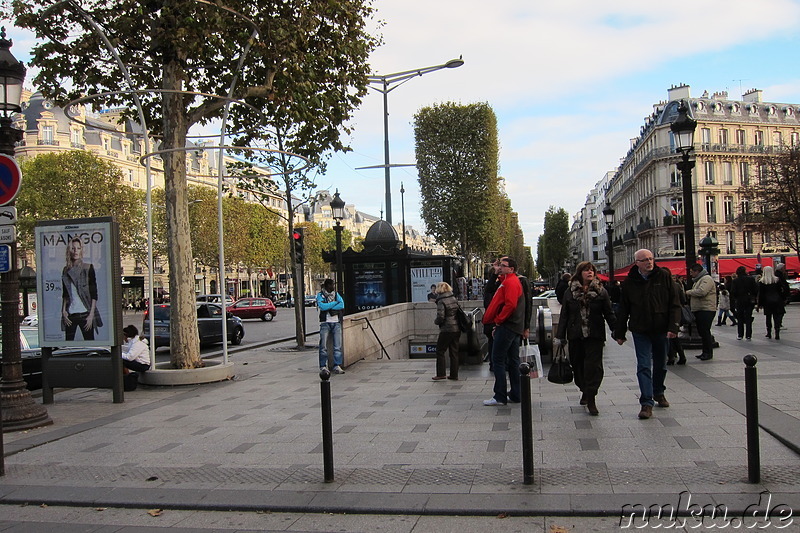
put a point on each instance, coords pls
(683, 133)
(608, 213)
(385, 84)
(337, 209)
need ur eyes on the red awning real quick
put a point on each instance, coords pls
(727, 265)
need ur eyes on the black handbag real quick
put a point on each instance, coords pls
(560, 371)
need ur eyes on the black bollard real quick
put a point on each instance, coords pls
(327, 424)
(527, 423)
(751, 406)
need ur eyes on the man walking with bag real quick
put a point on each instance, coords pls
(650, 308)
(506, 313)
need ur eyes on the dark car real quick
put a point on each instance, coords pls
(32, 355)
(794, 290)
(209, 324)
(262, 308)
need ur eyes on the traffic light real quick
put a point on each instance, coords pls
(299, 248)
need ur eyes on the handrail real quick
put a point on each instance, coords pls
(373, 332)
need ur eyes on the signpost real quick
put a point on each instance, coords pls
(5, 258)
(10, 180)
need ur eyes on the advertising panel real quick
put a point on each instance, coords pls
(423, 280)
(370, 286)
(75, 282)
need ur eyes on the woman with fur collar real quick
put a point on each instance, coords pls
(586, 306)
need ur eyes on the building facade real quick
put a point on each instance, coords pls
(733, 141)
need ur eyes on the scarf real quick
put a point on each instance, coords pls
(584, 298)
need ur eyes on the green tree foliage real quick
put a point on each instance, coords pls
(553, 246)
(307, 66)
(329, 239)
(78, 184)
(457, 160)
(775, 198)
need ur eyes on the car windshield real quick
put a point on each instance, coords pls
(32, 336)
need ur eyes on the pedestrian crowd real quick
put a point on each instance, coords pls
(651, 305)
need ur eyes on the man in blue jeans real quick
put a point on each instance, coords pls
(506, 314)
(650, 308)
(331, 308)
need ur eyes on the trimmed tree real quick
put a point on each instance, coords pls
(457, 161)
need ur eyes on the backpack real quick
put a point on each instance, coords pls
(464, 323)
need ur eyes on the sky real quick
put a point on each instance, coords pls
(570, 82)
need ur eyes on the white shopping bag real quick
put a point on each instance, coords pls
(530, 354)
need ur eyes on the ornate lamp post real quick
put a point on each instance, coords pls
(683, 133)
(337, 208)
(385, 84)
(608, 213)
(18, 409)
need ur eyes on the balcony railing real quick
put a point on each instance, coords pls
(672, 220)
(711, 217)
(47, 142)
(730, 217)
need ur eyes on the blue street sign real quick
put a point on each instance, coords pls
(5, 258)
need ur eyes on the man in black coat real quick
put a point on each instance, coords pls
(650, 309)
(744, 290)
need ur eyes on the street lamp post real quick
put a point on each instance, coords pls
(385, 84)
(403, 211)
(683, 132)
(18, 410)
(608, 213)
(337, 208)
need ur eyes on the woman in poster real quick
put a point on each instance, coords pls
(79, 294)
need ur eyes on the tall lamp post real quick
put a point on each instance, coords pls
(608, 213)
(403, 211)
(337, 208)
(18, 410)
(385, 84)
(683, 132)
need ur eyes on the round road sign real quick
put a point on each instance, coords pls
(10, 179)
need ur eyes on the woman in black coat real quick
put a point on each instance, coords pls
(585, 308)
(773, 291)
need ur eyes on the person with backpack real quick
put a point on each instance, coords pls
(449, 331)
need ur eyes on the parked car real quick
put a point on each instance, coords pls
(547, 294)
(286, 301)
(30, 320)
(32, 355)
(311, 300)
(215, 299)
(262, 308)
(209, 324)
(794, 290)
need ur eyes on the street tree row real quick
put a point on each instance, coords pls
(77, 184)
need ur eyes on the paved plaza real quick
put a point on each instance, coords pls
(408, 446)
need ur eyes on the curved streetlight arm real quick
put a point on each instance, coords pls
(401, 77)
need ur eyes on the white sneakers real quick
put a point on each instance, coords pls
(492, 402)
(338, 370)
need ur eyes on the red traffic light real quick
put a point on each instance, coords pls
(296, 236)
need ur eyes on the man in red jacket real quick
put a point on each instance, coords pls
(506, 313)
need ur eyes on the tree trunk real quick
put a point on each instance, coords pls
(184, 336)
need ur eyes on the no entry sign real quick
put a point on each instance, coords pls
(10, 179)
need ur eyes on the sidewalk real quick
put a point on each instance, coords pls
(404, 444)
